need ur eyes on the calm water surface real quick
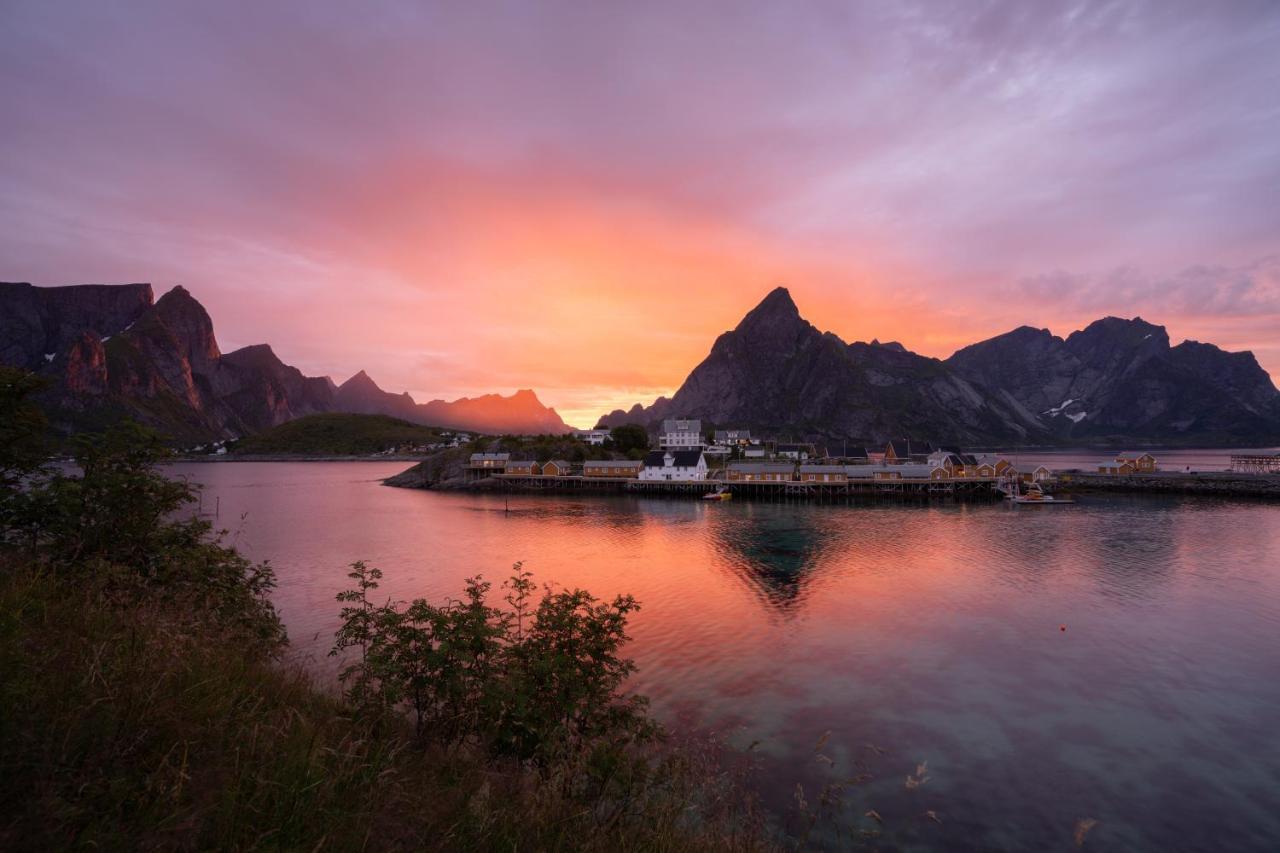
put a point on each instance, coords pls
(932, 633)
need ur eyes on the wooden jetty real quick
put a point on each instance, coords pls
(972, 488)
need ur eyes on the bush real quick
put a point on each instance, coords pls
(532, 682)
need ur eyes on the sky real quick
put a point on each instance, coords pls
(464, 198)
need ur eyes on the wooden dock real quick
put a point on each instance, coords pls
(969, 488)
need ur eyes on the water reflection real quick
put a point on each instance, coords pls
(773, 552)
(932, 632)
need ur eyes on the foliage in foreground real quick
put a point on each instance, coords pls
(144, 704)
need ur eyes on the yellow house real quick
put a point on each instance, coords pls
(1143, 463)
(555, 468)
(523, 468)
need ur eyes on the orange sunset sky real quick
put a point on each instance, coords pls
(577, 198)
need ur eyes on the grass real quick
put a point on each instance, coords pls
(338, 435)
(136, 724)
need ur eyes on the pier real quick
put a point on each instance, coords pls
(973, 488)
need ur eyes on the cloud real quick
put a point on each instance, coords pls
(572, 196)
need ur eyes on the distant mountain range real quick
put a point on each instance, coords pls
(1117, 381)
(113, 350)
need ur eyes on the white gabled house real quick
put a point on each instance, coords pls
(681, 434)
(674, 465)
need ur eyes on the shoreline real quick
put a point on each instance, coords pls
(289, 457)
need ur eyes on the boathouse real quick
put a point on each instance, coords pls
(489, 460)
(1115, 468)
(772, 472)
(611, 468)
(1039, 475)
(674, 465)
(556, 468)
(523, 468)
(823, 474)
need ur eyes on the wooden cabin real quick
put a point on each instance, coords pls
(1039, 475)
(1142, 462)
(1115, 468)
(523, 468)
(984, 469)
(904, 450)
(489, 460)
(556, 468)
(823, 474)
(612, 468)
(772, 472)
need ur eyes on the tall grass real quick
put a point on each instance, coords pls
(132, 725)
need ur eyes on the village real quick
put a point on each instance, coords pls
(687, 460)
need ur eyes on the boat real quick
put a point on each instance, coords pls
(720, 494)
(1036, 495)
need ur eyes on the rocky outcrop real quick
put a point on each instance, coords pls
(39, 322)
(444, 470)
(778, 374)
(1120, 381)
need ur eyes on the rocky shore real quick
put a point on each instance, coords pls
(1219, 483)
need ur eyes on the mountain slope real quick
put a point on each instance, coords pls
(776, 373)
(111, 352)
(1120, 380)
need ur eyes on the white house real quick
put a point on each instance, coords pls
(680, 434)
(675, 465)
(591, 436)
(727, 437)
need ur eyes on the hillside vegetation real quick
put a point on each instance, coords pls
(338, 435)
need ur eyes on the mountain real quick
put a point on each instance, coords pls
(1120, 380)
(109, 351)
(521, 413)
(776, 373)
(1117, 381)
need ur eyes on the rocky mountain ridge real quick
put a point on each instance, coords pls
(1116, 381)
(112, 351)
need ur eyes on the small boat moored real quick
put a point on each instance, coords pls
(1036, 495)
(720, 494)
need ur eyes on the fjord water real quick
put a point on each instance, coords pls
(931, 633)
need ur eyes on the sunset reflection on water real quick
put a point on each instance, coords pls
(930, 632)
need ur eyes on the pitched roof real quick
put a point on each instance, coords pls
(679, 458)
(682, 425)
(907, 446)
(821, 469)
(761, 467)
(612, 463)
(559, 463)
(490, 457)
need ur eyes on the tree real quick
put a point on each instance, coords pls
(630, 437)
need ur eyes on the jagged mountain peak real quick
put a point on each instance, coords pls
(776, 307)
(361, 380)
